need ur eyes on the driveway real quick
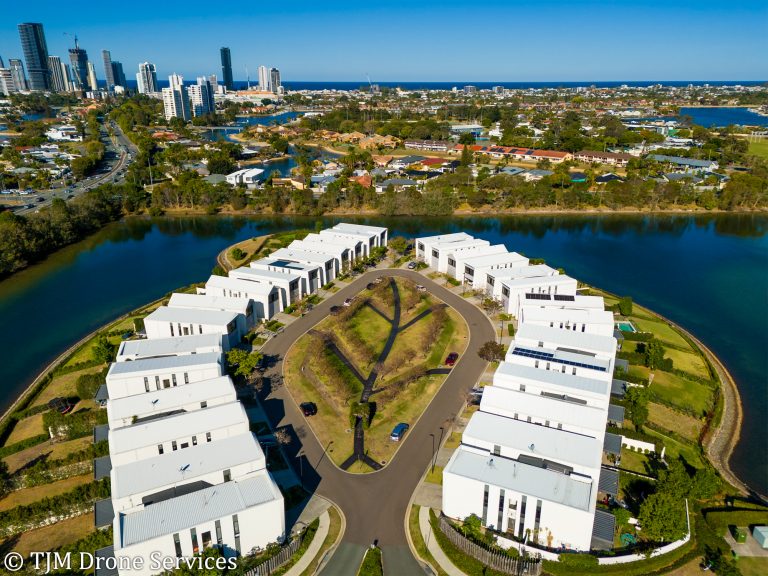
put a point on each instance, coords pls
(375, 505)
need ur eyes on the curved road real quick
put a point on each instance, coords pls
(375, 505)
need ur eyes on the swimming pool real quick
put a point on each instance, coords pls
(626, 327)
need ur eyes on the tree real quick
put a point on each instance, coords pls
(625, 305)
(241, 362)
(492, 351)
(399, 244)
(5, 479)
(662, 516)
(104, 350)
(491, 306)
(706, 483)
(466, 156)
(467, 138)
(654, 355)
(637, 405)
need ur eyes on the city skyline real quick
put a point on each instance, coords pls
(646, 49)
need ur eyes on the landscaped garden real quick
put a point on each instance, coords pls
(372, 365)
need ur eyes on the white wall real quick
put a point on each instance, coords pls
(122, 385)
(231, 335)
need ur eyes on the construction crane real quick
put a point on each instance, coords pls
(72, 36)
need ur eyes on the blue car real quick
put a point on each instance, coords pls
(399, 431)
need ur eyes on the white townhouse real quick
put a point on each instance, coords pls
(423, 245)
(156, 373)
(325, 262)
(166, 322)
(239, 516)
(289, 285)
(443, 253)
(494, 278)
(476, 268)
(265, 296)
(242, 306)
(145, 348)
(456, 261)
(513, 291)
(354, 248)
(339, 253)
(564, 301)
(375, 236)
(590, 321)
(198, 395)
(309, 273)
(150, 438)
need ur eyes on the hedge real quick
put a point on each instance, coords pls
(638, 336)
(720, 520)
(23, 445)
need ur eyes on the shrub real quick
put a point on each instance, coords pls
(87, 385)
(625, 305)
(578, 560)
(237, 253)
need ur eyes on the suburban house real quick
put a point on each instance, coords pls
(691, 164)
(594, 157)
(250, 177)
(457, 261)
(166, 322)
(429, 145)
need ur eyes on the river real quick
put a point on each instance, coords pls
(708, 273)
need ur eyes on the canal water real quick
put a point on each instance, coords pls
(707, 273)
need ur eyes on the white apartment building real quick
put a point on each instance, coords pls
(266, 297)
(441, 251)
(477, 268)
(494, 278)
(155, 437)
(148, 374)
(375, 235)
(198, 395)
(309, 273)
(288, 285)
(351, 248)
(324, 262)
(198, 344)
(176, 99)
(590, 321)
(514, 291)
(166, 322)
(423, 245)
(250, 177)
(456, 262)
(242, 306)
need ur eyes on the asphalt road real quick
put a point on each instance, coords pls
(116, 158)
(375, 505)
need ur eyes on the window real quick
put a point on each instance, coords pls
(547, 365)
(501, 510)
(206, 540)
(559, 426)
(435, 254)
(536, 364)
(157, 382)
(200, 328)
(485, 505)
(207, 436)
(541, 344)
(452, 262)
(562, 368)
(516, 416)
(160, 449)
(227, 475)
(146, 384)
(219, 539)
(573, 370)
(536, 521)
(521, 529)
(177, 545)
(186, 331)
(173, 379)
(186, 378)
(204, 404)
(194, 440)
(529, 418)
(236, 527)
(195, 547)
(166, 383)
(496, 450)
(184, 445)
(522, 387)
(505, 291)
(174, 445)
(171, 325)
(490, 280)
(546, 423)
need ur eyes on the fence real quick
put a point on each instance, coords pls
(269, 566)
(494, 560)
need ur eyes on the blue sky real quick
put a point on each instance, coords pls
(431, 40)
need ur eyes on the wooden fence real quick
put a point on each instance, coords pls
(269, 566)
(495, 560)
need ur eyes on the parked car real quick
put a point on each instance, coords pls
(450, 360)
(308, 408)
(399, 431)
(420, 288)
(411, 265)
(348, 302)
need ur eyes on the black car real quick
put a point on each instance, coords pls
(308, 408)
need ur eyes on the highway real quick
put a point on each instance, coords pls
(117, 156)
(375, 505)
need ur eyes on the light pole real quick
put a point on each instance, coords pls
(433, 453)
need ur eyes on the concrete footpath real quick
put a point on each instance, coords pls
(314, 546)
(434, 548)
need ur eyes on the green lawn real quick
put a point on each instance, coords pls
(688, 362)
(675, 449)
(370, 327)
(682, 392)
(635, 461)
(418, 540)
(435, 476)
(759, 148)
(753, 566)
(662, 331)
(669, 419)
(372, 563)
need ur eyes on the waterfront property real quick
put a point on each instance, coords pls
(157, 347)
(288, 286)
(167, 322)
(265, 296)
(242, 306)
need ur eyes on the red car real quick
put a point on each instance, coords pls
(450, 360)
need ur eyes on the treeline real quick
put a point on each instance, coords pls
(28, 239)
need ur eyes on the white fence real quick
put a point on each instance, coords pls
(641, 446)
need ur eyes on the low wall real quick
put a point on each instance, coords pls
(641, 445)
(544, 554)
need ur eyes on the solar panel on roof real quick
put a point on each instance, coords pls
(535, 296)
(565, 297)
(537, 355)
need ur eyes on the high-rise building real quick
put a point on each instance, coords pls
(17, 72)
(176, 99)
(226, 68)
(58, 82)
(36, 54)
(7, 85)
(78, 58)
(2, 64)
(274, 80)
(201, 97)
(263, 78)
(118, 76)
(93, 83)
(108, 73)
(146, 79)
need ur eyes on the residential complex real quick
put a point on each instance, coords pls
(530, 460)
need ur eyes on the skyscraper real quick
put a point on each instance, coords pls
(36, 54)
(2, 64)
(176, 99)
(118, 76)
(108, 73)
(201, 97)
(274, 80)
(146, 79)
(226, 68)
(58, 80)
(78, 59)
(93, 83)
(7, 85)
(17, 73)
(263, 78)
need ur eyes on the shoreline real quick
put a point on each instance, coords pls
(719, 442)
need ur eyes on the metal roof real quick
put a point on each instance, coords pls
(193, 509)
(609, 481)
(618, 388)
(191, 316)
(259, 273)
(615, 413)
(164, 470)
(103, 513)
(100, 432)
(168, 346)
(524, 478)
(517, 372)
(177, 426)
(143, 365)
(102, 467)
(540, 441)
(576, 340)
(106, 566)
(612, 443)
(487, 260)
(209, 302)
(248, 287)
(602, 530)
(102, 394)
